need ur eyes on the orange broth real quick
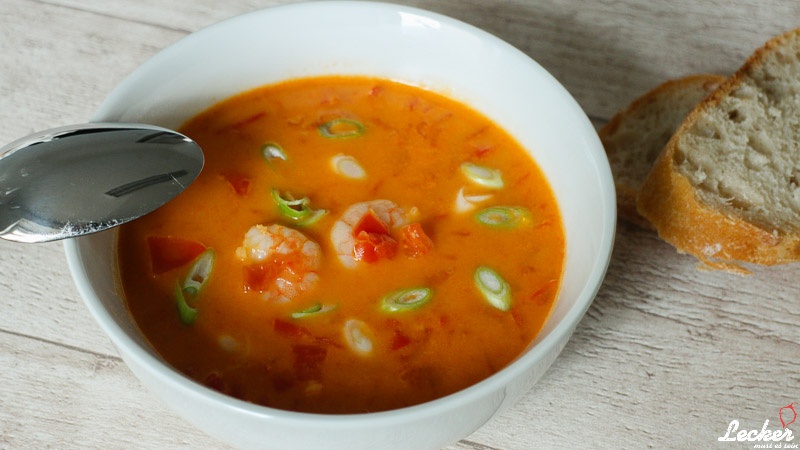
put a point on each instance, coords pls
(247, 344)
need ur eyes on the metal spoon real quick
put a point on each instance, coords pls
(81, 179)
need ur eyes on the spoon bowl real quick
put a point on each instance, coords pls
(80, 179)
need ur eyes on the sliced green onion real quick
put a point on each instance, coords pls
(196, 279)
(199, 273)
(186, 313)
(341, 129)
(297, 210)
(504, 216)
(272, 151)
(348, 166)
(482, 175)
(228, 343)
(289, 207)
(314, 310)
(356, 334)
(493, 287)
(406, 299)
(466, 203)
(312, 218)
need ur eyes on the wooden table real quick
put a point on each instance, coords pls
(666, 357)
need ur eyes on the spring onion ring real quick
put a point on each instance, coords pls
(314, 310)
(272, 151)
(406, 299)
(348, 166)
(312, 218)
(297, 210)
(482, 175)
(199, 273)
(507, 217)
(341, 129)
(228, 343)
(493, 287)
(356, 334)
(465, 203)
(186, 313)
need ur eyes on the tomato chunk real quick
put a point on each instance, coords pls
(308, 361)
(372, 239)
(370, 247)
(248, 120)
(399, 340)
(415, 242)
(240, 183)
(370, 223)
(167, 252)
(289, 329)
(214, 381)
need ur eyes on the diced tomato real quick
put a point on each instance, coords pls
(421, 377)
(214, 381)
(372, 239)
(370, 223)
(399, 340)
(289, 329)
(167, 252)
(282, 381)
(308, 361)
(240, 183)
(537, 295)
(415, 242)
(248, 120)
(370, 247)
(480, 152)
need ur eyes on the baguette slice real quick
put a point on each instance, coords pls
(726, 188)
(635, 136)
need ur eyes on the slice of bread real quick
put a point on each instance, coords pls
(635, 136)
(726, 188)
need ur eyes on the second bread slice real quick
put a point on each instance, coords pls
(635, 136)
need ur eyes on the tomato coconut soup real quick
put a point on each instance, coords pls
(352, 245)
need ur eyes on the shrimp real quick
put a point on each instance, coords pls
(362, 232)
(280, 262)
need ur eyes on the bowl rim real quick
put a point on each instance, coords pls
(535, 354)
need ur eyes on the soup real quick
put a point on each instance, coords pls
(352, 245)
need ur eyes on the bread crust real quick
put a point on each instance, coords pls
(718, 239)
(628, 190)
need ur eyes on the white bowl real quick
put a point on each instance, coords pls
(389, 41)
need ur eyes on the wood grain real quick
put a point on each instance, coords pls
(666, 356)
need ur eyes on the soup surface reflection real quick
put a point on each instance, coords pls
(352, 245)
